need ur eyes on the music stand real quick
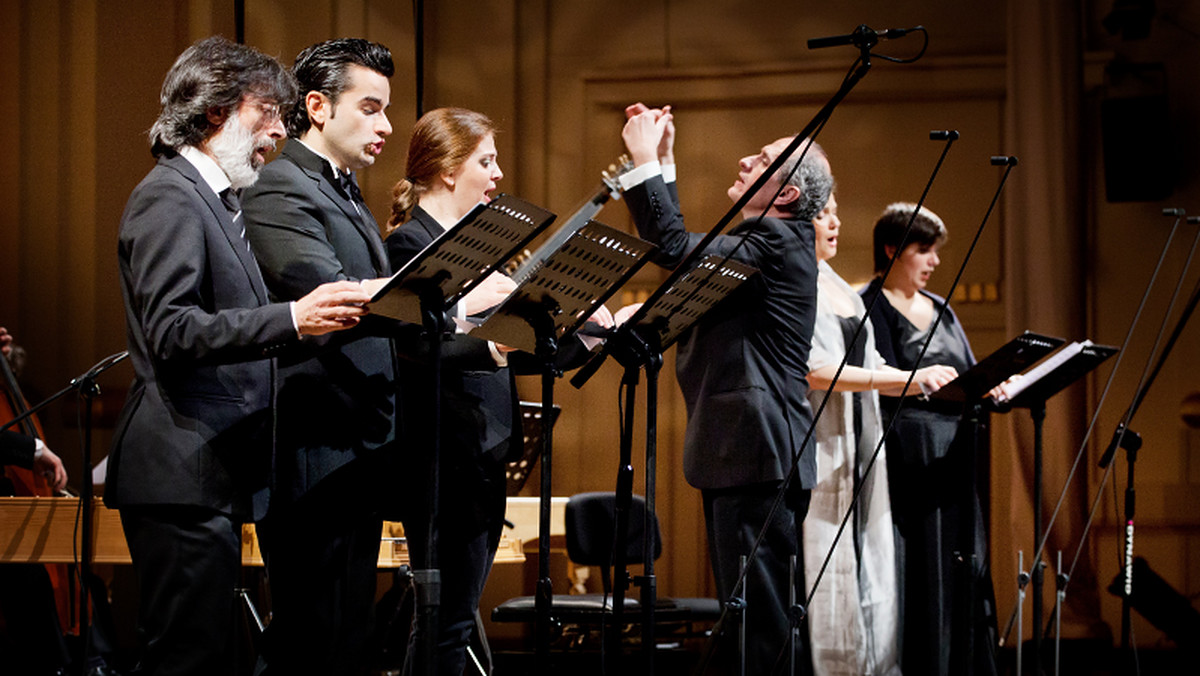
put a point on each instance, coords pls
(967, 391)
(1011, 358)
(553, 302)
(694, 294)
(1032, 392)
(459, 260)
(422, 292)
(639, 344)
(610, 188)
(516, 473)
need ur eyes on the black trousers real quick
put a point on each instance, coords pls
(186, 560)
(321, 556)
(734, 517)
(31, 641)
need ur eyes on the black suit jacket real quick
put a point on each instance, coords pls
(16, 449)
(742, 367)
(195, 429)
(480, 414)
(339, 405)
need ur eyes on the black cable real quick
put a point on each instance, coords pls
(419, 55)
(950, 138)
(924, 46)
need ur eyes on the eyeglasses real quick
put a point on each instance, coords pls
(270, 112)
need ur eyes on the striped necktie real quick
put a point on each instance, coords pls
(229, 198)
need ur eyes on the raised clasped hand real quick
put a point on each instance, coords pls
(645, 131)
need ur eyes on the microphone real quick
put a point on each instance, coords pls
(943, 135)
(1175, 211)
(863, 36)
(1003, 160)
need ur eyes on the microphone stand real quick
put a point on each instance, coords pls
(859, 70)
(1037, 414)
(88, 390)
(1063, 580)
(965, 651)
(1131, 442)
(799, 612)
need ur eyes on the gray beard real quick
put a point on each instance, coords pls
(233, 149)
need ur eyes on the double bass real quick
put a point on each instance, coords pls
(27, 482)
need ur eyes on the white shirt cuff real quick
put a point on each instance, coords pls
(500, 358)
(639, 175)
(590, 342)
(295, 322)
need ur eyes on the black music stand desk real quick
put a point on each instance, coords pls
(553, 302)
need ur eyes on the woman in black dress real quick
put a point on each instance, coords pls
(930, 458)
(451, 167)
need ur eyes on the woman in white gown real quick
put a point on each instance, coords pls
(854, 614)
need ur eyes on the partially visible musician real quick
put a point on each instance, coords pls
(32, 453)
(25, 451)
(31, 641)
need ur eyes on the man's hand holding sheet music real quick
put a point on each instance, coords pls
(490, 293)
(625, 313)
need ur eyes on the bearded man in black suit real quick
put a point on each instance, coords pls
(192, 447)
(308, 225)
(742, 367)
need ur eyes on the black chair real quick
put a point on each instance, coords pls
(590, 532)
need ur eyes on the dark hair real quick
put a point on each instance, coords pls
(213, 73)
(441, 141)
(927, 230)
(322, 68)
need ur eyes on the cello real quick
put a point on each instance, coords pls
(27, 482)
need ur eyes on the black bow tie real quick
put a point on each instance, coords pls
(349, 186)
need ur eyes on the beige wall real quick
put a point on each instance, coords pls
(555, 76)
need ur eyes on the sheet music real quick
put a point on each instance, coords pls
(458, 260)
(1040, 371)
(563, 292)
(694, 294)
(610, 189)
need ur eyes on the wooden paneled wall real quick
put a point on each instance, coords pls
(555, 76)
